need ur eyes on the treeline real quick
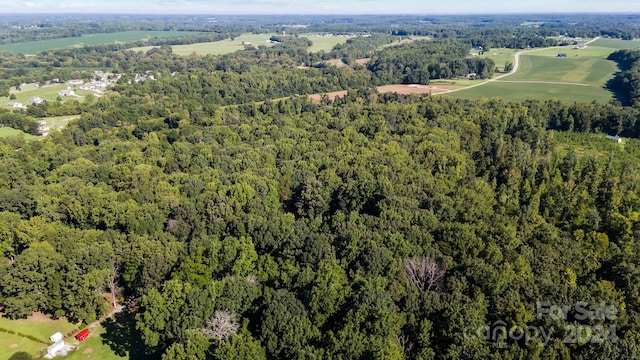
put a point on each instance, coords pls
(627, 81)
(19, 120)
(418, 62)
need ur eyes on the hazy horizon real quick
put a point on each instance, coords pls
(321, 7)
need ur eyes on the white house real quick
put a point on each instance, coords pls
(16, 105)
(36, 100)
(52, 350)
(66, 92)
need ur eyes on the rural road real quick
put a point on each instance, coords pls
(516, 63)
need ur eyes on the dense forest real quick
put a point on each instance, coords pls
(245, 221)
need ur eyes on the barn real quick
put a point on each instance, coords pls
(83, 335)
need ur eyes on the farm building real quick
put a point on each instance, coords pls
(55, 337)
(83, 335)
(616, 138)
(52, 350)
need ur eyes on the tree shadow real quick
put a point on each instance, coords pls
(123, 338)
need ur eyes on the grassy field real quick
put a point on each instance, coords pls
(109, 340)
(227, 46)
(34, 47)
(47, 92)
(8, 132)
(323, 42)
(585, 70)
(520, 92)
(617, 44)
(39, 326)
(500, 56)
(591, 51)
(218, 47)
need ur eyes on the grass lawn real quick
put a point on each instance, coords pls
(499, 55)
(524, 91)
(617, 43)
(34, 47)
(11, 344)
(217, 47)
(47, 92)
(7, 132)
(109, 340)
(324, 42)
(38, 325)
(585, 70)
(591, 50)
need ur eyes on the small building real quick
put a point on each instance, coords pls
(562, 55)
(16, 105)
(83, 335)
(52, 350)
(616, 138)
(66, 92)
(36, 100)
(76, 82)
(55, 337)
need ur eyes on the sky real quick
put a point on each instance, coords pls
(317, 6)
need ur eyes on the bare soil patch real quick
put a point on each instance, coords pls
(38, 317)
(364, 61)
(13, 346)
(88, 351)
(332, 95)
(397, 88)
(414, 89)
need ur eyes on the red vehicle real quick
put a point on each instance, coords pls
(83, 335)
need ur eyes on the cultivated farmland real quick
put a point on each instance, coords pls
(585, 70)
(227, 46)
(535, 91)
(34, 47)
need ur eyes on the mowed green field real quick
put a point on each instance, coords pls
(42, 327)
(217, 47)
(585, 70)
(617, 44)
(499, 55)
(34, 47)
(47, 92)
(324, 42)
(9, 132)
(227, 46)
(38, 326)
(527, 91)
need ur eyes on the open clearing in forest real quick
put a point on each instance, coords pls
(34, 47)
(227, 46)
(535, 91)
(583, 69)
(46, 92)
(541, 74)
(397, 88)
(38, 325)
(9, 132)
(100, 345)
